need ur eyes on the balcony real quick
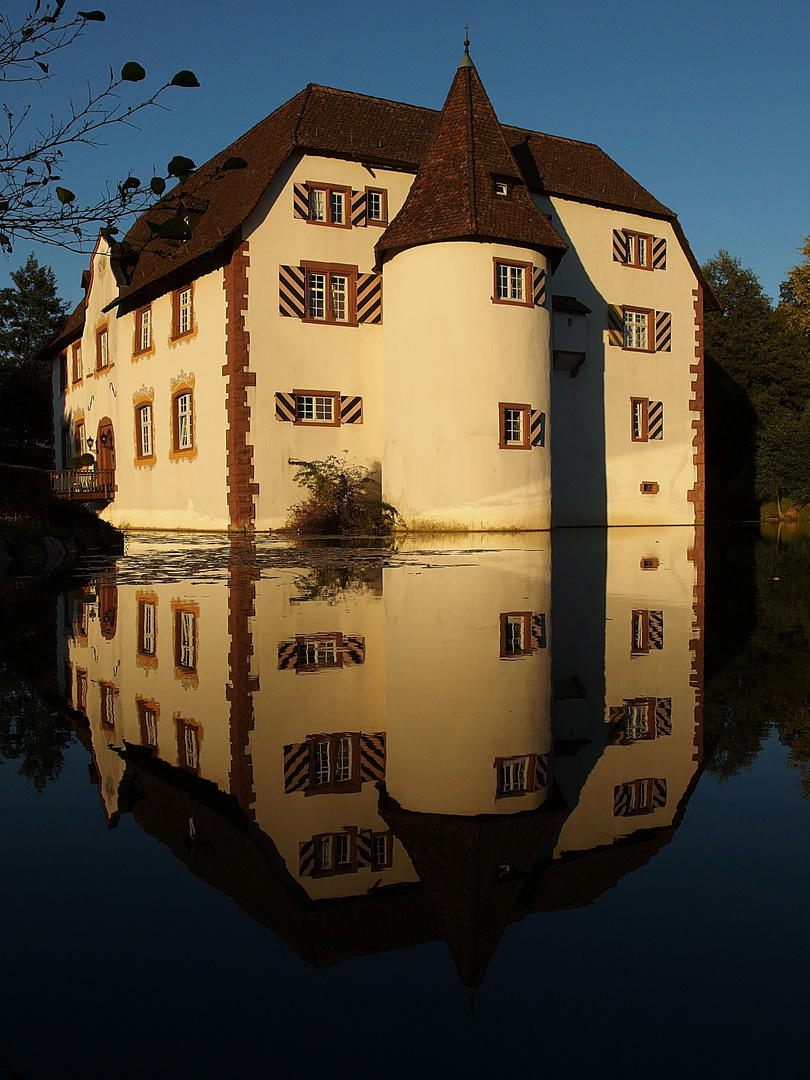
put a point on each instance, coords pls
(84, 485)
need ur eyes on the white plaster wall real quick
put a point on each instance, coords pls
(288, 354)
(188, 493)
(598, 470)
(451, 355)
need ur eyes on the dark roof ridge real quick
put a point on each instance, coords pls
(372, 97)
(304, 101)
(471, 147)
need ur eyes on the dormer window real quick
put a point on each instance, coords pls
(501, 187)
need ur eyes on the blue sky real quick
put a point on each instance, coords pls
(704, 102)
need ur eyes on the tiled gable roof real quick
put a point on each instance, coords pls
(453, 193)
(375, 131)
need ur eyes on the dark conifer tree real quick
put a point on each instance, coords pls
(31, 314)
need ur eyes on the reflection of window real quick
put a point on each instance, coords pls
(148, 717)
(188, 745)
(647, 631)
(639, 797)
(334, 853)
(81, 691)
(107, 706)
(147, 627)
(319, 651)
(638, 721)
(381, 850)
(512, 777)
(185, 641)
(519, 775)
(108, 610)
(333, 763)
(516, 634)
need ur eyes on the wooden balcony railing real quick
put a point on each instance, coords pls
(84, 484)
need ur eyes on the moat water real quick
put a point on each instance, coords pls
(454, 805)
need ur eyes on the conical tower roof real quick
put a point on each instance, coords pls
(454, 193)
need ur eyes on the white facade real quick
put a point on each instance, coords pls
(474, 410)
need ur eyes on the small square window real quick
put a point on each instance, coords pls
(329, 205)
(639, 249)
(637, 332)
(514, 426)
(317, 407)
(501, 188)
(513, 283)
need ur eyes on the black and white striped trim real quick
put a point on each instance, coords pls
(291, 299)
(663, 331)
(539, 286)
(369, 298)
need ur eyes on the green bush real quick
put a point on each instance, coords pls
(342, 498)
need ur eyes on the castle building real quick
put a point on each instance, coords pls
(523, 329)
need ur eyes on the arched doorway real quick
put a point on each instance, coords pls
(105, 454)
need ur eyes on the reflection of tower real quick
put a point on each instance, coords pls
(394, 778)
(468, 684)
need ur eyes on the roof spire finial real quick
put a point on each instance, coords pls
(466, 60)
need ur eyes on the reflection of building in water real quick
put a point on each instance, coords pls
(451, 742)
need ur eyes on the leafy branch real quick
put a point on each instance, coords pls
(33, 204)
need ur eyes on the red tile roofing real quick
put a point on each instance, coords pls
(375, 131)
